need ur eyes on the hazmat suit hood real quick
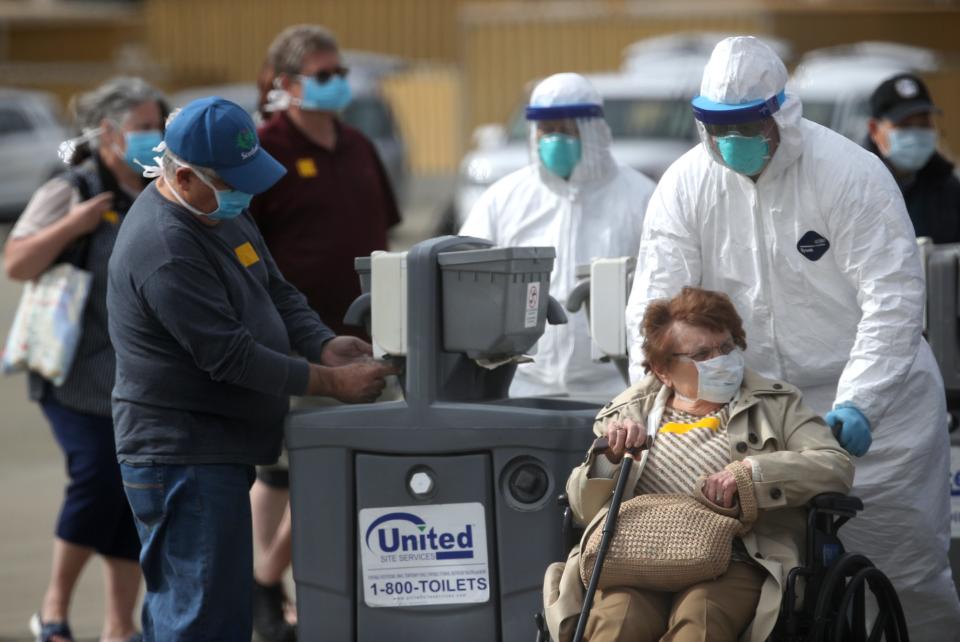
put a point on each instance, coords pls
(568, 90)
(743, 69)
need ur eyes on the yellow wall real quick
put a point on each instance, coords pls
(507, 45)
(428, 106)
(477, 55)
(498, 46)
(86, 42)
(227, 39)
(503, 49)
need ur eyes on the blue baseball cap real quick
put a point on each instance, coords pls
(220, 135)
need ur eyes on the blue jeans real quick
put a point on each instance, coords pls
(196, 549)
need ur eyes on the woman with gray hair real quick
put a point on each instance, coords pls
(74, 218)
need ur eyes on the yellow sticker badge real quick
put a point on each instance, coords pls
(711, 423)
(111, 217)
(306, 168)
(246, 254)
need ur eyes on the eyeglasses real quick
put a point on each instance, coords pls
(325, 75)
(759, 127)
(565, 126)
(708, 352)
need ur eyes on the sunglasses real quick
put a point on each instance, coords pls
(325, 75)
(759, 127)
(705, 353)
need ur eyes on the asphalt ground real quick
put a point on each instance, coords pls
(32, 474)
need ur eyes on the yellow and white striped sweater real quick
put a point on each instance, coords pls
(686, 447)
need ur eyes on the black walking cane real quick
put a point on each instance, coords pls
(609, 526)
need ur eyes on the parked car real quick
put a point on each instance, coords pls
(835, 83)
(368, 111)
(30, 132)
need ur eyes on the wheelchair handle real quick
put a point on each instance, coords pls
(835, 429)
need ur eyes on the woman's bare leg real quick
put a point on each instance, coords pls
(268, 505)
(122, 585)
(68, 562)
(276, 559)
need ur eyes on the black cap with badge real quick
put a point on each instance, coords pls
(899, 97)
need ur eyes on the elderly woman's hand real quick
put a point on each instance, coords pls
(721, 488)
(623, 435)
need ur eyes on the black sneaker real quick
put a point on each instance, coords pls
(269, 624)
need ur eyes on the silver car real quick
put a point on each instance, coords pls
(30, 132)
(835, 84)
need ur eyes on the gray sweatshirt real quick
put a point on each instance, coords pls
(203, 325)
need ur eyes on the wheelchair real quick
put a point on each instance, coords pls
(832, 583)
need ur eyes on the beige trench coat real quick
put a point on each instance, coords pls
(797, 457)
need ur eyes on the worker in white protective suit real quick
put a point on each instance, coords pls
(809, 236)
(577, 198)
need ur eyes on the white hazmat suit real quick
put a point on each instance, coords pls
(819, 258)
(596, 213)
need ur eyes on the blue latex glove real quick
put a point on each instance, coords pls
(851, 429)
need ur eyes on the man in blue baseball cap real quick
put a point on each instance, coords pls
(203, 325)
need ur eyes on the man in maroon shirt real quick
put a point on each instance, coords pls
(335, 203)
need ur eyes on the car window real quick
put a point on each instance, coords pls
(857, 122)
(820, 112)
(847, 115)
(633, 118)
(518, 128)
(371, 116)
(13, 121)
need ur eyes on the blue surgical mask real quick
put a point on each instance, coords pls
(911, 147)
(230, 202)
(559, 153)
(140, 147)
(333, 95)
(745, 155)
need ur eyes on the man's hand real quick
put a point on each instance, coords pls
(340, 351)
(623, 435)
(721, 488)
(353, 383)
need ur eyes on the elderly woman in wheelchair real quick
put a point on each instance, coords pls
(712, 430)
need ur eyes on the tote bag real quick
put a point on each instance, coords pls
(48, 322)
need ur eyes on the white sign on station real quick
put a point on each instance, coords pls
(421, 555)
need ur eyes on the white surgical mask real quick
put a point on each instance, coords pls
(719, 378)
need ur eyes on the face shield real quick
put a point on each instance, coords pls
(569, 142)
(742, 137)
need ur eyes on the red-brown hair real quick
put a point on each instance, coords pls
(694, 306)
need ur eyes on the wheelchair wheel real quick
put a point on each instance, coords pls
(840, 614)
